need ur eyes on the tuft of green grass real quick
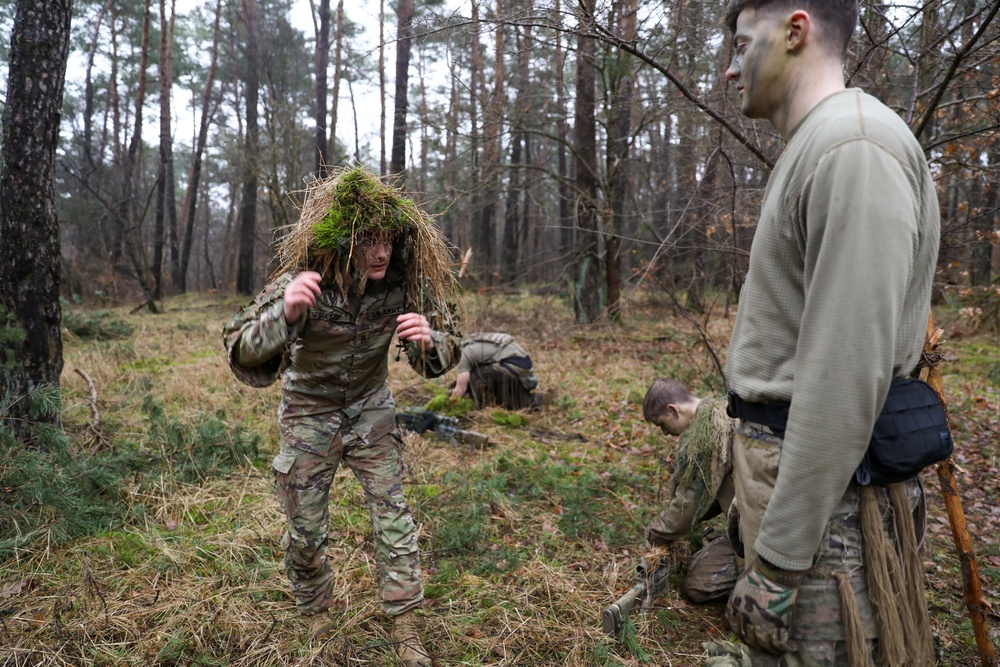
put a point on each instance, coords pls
(509, 419)
(444, 404)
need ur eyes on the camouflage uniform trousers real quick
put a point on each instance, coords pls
(712, 571)
(303, 482)
(817, 627)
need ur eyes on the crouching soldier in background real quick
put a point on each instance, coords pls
(495, 370)
(700, 488)
(361, 264)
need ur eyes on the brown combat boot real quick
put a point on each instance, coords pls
(321, 626)
(404, 635)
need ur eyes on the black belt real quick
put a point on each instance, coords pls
(772, 414)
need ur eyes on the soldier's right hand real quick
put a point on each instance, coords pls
(300, 295)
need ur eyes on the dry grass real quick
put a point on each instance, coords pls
(523, 543)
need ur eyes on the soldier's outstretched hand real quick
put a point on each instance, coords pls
(415, 327)
(300, 295)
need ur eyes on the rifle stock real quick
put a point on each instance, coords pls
(444, 427)
(612, 617)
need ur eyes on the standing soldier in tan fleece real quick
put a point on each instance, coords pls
(362, 264)
(833, 309)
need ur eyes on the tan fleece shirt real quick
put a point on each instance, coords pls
(835, 302)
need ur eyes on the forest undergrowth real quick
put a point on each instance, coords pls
(523, 542)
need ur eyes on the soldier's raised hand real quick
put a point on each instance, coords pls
(300, 295)
(415, 327)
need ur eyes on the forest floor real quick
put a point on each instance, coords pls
(523, 543)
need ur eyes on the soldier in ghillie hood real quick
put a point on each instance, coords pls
(701, 486)
(362, 263)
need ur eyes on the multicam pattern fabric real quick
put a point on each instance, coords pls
(760, 611)
(369, 444)
(490, 349)
(335, 405)
(702, 478)
(493, 380)
(712, 571)
(816, 625)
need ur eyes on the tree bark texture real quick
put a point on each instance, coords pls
(29, 230)
(338, 66)
(567, 223)
(381, 85)
(587, 301)
(619, 140)
(322, 60)
(404, 31)
(194, 175)
(251, 155)
(166, 201)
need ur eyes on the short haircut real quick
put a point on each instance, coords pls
(662, 393)
(841, 16)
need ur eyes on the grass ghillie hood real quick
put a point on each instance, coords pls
(354, 204)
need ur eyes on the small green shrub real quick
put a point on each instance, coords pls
(96, 325)
(211, 447)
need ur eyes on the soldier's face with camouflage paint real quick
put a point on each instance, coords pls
(372, 256)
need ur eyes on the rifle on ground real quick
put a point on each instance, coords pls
(444, 427)
(648, 587)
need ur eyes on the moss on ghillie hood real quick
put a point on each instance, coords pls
(341, 210)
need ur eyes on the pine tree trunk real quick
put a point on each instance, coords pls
(404, 26)
(338, 65)
(619, 133)
(29, 230)
(166, 200)
(129, 213)
(587, 274)
(194, 174)
(475, 74)
(567, 222)
(490, 175)
(322, 60)
(251, 153)
(381, 85)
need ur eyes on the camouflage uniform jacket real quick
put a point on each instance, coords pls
(333, 362)
(702, 481)
(491, 349)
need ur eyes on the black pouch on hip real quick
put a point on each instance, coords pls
(910, 434)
